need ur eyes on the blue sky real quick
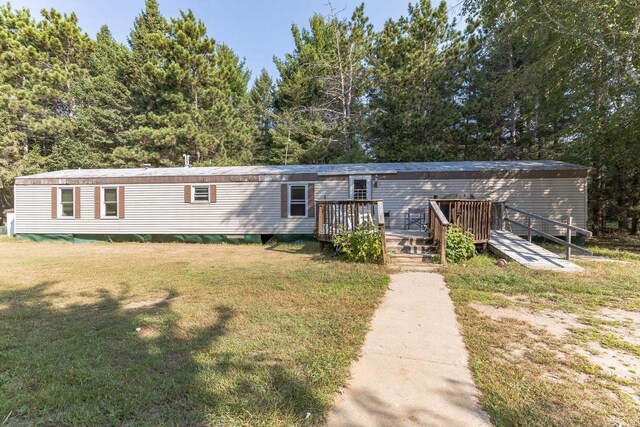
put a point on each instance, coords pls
(255, 29)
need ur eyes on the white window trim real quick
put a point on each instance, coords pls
(352, 178)
(73, 203)
(306, 200)
(102, 204)
(193, 194)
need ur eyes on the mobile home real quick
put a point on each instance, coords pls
(251, 202)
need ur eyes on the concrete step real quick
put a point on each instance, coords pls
(415, 267)
(400, 258)
(411, 249)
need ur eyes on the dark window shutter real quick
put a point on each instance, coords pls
(121, 202)
(213, 196)
(54, 202)
(96, 202)
(284, 200)
(311, 200)
(76, 202)
(187, 194)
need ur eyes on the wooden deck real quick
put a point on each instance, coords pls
(515, 248)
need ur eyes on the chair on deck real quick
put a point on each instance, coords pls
(415, 216)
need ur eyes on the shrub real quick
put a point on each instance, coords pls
(362, 245)
(460, 245)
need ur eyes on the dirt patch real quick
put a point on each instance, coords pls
(157, 302)
(147, 332)
(556, 323)
(631, 392)
(619, 315)
(613, 362)
(629, 328)
(518, 299)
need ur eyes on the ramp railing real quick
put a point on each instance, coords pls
(568, 228)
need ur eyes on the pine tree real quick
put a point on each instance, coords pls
(414, 113)
(104, 112)
(262, 116)
(40, 68)
(320, 95)
(189, 96)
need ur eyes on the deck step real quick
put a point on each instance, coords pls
(410, 249)
(412, 241)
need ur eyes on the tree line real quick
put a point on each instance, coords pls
(543, 79)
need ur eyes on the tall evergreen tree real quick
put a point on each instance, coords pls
(414, 112)
(40, 66)
(190, 95)
(104, 112)
(261, 99)
(321, 91)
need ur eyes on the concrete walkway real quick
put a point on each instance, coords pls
(413, 369)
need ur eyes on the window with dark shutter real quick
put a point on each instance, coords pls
(66, 203)
(297, 200)
(201, 193)
(110, 202)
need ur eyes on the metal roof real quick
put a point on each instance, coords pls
(326, 169)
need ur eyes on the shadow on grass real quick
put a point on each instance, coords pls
(106, 362)
(328, 254)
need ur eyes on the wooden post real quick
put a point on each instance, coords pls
(568, 237)
(383, 240)
(529, 227)
(443, 245)
(503, 215)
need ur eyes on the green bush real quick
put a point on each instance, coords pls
(460, 245)
(364, 244)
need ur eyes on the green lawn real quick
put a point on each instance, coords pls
(553, 348)
(177, 334)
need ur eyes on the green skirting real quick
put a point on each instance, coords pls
(164, 238)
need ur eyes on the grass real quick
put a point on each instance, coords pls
(177, 334)
(619, 246)
(529, 376)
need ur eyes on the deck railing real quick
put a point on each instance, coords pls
(472, 215)
(334, 216)
(568, 227)
(439, 224)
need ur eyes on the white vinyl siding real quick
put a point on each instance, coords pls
(255, 207)
(555, 198)
(241, 208)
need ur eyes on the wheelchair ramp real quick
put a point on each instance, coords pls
(515, 248)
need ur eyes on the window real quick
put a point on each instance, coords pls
(360, 189)
(110, 202)
(66, 202)
(201, 193)
(298, 200)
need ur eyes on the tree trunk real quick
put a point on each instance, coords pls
(635, 223)
(621, 199)
(597, 207)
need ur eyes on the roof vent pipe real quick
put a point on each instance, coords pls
(186, 160)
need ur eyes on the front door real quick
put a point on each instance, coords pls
(360, 187)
